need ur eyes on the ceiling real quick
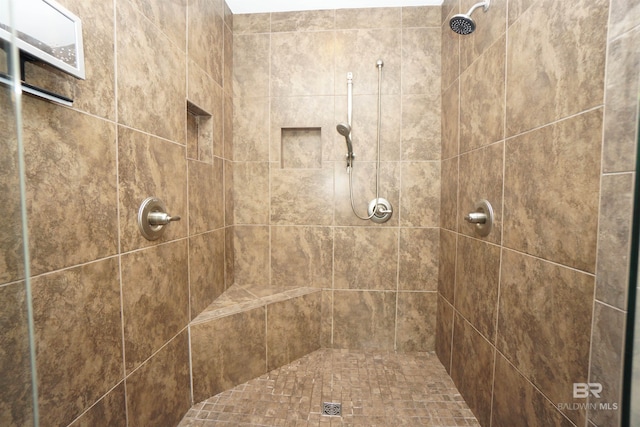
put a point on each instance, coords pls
(262, 6)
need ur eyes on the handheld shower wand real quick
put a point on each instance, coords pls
(344, 129)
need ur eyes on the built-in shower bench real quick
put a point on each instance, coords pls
(250, 330)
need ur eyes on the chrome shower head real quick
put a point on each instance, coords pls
(344, 129)
(463, 24)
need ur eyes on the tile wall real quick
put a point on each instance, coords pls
(538, 119)
(292, 215)
(111, 308)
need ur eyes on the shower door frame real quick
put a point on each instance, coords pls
(13, 87)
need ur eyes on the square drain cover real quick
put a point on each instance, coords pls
(332, 409)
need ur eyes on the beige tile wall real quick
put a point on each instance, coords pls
(292, 215)
(111, 309)
(525, 105)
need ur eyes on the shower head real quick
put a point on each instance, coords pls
(463, 24)
(344, 129)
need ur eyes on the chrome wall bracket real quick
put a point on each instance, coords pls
(152, 218)
(482, 217)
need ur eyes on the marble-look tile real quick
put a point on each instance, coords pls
(364, 191)
(559, 72)
(326, 320)
(621, 110)
(382, 17)
(110, 410)
(420, 128)
(227, 123)
(477, 283)
(251, 65)
(305, 20)
(70, 185)
(251, 255)
(420, 194)
(444, 330)
(365, 258)
(77, 319)
(482, 100)
(358, 51)
(302, 196)
(228, 192)
(364, 320)
(472, 363)
(421, 16)
(481, 177)
(448, 7)
(155, 298)
(301, 148)
(229, 256)
(293, 329)
(206, 269)
(418, 259)
(151, 77)
(227, 59)
(625, 15)
(451, 47)
(516, 402)
(546, 303)
(607, 353)
(251, 23)
(206, 94)
(517, 8)
(447, 265)
(250, 193)
(16, 405)
(416, 324)
(449, 194)
(364, 133)
(421, 62)
(250, 129)
(303, 113)
(169, 17)
(450, 121)
(150, 167)
(12, 259)
(215, 347)
(95, 94)
(206, 37)
(614, 239)
(159, 392)
(206, 196)
(302, 63)
(302, 256)
(490, 27)
(552, 176)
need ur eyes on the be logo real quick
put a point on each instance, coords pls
(582, 390)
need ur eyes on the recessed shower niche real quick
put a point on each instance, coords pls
(199, 133)
(301, 148)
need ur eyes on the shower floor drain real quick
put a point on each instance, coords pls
(332, 409)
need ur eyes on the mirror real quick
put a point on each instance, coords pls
(46, 31)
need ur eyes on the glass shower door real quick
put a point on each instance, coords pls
(18, 385)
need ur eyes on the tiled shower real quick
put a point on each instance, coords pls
(531, 112)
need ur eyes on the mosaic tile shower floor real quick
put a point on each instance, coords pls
(374, 388)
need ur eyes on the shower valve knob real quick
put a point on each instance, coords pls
(161, 218)
(482, 217)
(476, 218)
(153, 219)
